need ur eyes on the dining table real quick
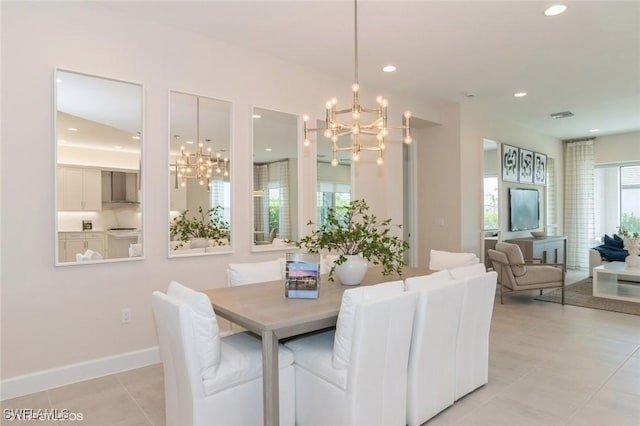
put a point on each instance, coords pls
(264, 310)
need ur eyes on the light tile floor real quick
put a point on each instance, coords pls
(549, 365)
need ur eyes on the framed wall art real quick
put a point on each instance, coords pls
(540, 169)
(525, 166)
(510, 163)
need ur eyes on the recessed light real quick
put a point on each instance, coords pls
(594, 130)
(520, 94)
(256, 116)
(556, 9)
(389, 68)
(135, 137)
(268, 149)
(189, 142)
(72, 129)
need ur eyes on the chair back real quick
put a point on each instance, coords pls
(501, 267)
(431, 371)
(377, 370)
(182, 377)
(514, 256)
(273, 234)
(472, 347)
(255, 272)
(440, 260)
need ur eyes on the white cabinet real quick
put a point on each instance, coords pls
(79, 189)
(71, 243)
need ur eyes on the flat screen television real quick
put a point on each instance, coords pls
(524, 209)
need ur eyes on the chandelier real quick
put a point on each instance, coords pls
(200, 165)
(368, 127)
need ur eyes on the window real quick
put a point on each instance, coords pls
(332, 195)
(630, 198)
(491, 204)
(220, 195)
(617, 194)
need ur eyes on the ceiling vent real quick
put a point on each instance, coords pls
(563, 114)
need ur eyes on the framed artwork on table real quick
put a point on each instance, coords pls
(540, 169)
(510, 163)
(525, 166)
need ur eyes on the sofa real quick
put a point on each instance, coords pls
(611, 250)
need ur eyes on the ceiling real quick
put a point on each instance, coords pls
(586, 60)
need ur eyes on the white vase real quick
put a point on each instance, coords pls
(632, 246)
(633, 260)
(352, 271)
(199, 242)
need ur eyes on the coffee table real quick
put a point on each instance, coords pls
(609, 281)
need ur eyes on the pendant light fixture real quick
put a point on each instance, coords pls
(368, 127)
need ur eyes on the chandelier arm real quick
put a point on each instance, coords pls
(343, 148)
(346, 132)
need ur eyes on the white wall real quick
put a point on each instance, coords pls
(450, 184)
(439, 185)
(618, 148)
(57, 316)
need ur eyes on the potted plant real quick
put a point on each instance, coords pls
(210, 225)
(355, 234)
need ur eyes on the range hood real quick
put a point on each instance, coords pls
(119, 187)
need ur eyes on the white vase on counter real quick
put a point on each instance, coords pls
(352, 271)
(199, 242)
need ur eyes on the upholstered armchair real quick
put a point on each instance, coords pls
(208, 379)
(516, 275)
(357, 374)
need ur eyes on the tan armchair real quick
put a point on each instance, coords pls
(517, 274)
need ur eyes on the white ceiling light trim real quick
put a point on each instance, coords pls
(556, 9)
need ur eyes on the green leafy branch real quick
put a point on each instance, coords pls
(353, 230)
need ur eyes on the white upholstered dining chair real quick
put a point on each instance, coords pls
(440, 260)
(357, 374)
(432, 358)
(253, 273)
(212, 380)
(472, 345)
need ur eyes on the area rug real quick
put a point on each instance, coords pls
(581, 294)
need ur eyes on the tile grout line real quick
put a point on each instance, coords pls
(144, 413)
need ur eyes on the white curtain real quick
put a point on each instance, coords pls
(284, 219)
(261, 201)
(552, 198)
(579, 206)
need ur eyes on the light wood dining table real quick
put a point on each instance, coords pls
(264, 310)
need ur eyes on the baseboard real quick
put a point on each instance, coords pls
(52, 378)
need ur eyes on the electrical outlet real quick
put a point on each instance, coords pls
(125, 316)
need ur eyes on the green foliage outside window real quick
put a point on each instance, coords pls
(630, 223)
